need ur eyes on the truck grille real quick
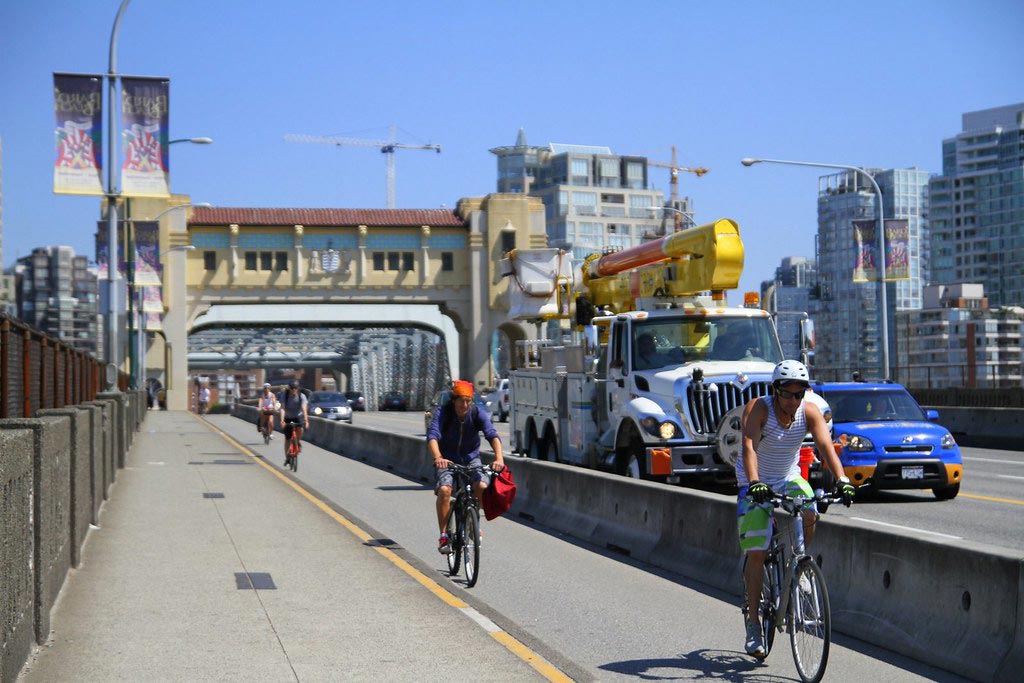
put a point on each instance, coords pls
(708, 405)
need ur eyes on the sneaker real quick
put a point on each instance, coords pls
(442, 545)
(805, 584)
(754, 643)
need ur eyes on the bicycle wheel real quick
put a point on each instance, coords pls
(454, 541)
(471, 551)
(810, 629)
(768, 607)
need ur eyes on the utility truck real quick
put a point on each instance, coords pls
(657, 362)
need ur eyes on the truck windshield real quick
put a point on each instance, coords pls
(662, 342)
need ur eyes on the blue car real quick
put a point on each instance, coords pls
(885, 439)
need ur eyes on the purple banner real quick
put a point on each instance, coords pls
(144, 122)
(147, 253)
(865, 251)
(78, 107)
(102, 252)
(897, 250)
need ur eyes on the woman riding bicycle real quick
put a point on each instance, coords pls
(774, 428)
(267, 406)
(294, 415)
(454, 437)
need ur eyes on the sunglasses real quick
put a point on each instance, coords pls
(782, 393)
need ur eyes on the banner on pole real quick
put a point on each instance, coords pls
(103, 253)
(897, 250)
(78, 107)
(152, 300)
(148, 268)
(144, 129)
(865, 251)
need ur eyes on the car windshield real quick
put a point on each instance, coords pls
(873, 406)
(661, 342)
(327, 396)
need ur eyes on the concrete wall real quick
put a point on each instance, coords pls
(958, 606)
(55, 469)
(984, 427)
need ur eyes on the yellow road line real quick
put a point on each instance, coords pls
(995, 500)
(541, 665)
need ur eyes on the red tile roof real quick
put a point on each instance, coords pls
(222, 215)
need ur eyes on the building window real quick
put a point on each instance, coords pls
(266, 260)
(392, 260)
(250, 260)
(447, 261)
(281, 260)
(508, 242)
(210, 260)
(407, 261)
(378, 260)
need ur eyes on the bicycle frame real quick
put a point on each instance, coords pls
(791, 552)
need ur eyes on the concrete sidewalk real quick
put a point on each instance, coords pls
(165, 590)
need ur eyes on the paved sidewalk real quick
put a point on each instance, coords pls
(163, 591)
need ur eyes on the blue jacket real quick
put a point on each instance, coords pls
(460, 441)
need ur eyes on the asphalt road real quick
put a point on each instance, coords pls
(989, 509)
(595, 615)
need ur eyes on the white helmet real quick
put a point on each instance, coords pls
(790, 371)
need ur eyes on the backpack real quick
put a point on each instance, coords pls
(499, 495)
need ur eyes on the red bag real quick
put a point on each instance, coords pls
(499, 495)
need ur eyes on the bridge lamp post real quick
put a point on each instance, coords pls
(685, 214)
(883, 295)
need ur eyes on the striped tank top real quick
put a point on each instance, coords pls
(778, 452)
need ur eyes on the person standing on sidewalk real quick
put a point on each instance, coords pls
(454, 437)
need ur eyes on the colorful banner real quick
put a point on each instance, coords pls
(144, 123)
(78, 107)
(154, 322)
(897, 250)
(152, 300)
(102, 252)
(147, 254)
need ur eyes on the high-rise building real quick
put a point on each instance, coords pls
(956, 340)
(790, 298)
(594, 200)
(848, 327)
(57, 293)
(977, 206)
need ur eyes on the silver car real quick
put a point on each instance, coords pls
(330, 405)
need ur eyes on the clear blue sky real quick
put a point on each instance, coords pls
(870, 83)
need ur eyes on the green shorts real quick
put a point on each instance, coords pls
(755, 520)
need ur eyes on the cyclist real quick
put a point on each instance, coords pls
(294, 414)
(774, 427)
(204, 398)
(267, 406)
(454, 437)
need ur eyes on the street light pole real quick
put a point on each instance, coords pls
(689, 216)
(883, 295)
(113, 351)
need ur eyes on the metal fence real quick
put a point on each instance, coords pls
(38, 371)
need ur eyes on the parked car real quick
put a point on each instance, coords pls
(888, 441)
(501, 401)
(441, 397)
(330, 405)
(393, 400)
(356, 399)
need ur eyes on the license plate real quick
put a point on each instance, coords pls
(916, 472)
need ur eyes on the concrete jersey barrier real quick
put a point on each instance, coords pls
(956, 606)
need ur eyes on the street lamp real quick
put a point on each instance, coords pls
(685, 214)
(194, 141)
(883, 296)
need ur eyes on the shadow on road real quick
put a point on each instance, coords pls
(722, 665)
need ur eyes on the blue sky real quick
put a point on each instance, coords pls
(871, 83)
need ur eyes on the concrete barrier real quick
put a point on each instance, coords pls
(80, 470)
(958, 606)
(17, 630)
(984, 427)
(119, 424)
(108, 444)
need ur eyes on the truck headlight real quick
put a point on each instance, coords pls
(948, 441)
(858, 444)
(663, 430)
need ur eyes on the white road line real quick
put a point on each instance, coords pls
(485, 623)
(1009, 476)
(1004, 462)
(907, 528)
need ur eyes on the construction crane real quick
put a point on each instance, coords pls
(675, 168)
(387, 147)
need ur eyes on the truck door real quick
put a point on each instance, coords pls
(618, 384)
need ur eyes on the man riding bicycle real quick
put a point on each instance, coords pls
(454, 437)
(267, 407)
(774, 428)
(294, 414)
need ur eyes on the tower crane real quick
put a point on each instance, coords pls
(387, 147)
(675, 168)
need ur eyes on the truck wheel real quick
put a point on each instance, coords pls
(629, 466)
(532, 445)
(947, 492)
(550, 449)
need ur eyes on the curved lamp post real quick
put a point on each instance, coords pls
(883, 296)
(684, 214)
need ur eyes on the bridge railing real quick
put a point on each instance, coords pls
(38, 371)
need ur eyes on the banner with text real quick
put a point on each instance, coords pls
(147, 254)
(102, 252)
(897, 250)
(144, 130)
(78, 107)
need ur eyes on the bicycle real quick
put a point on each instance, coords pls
(294, 446)
(463, 524)
(803, 609)
(266, 427)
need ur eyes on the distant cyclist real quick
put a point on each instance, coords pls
(774, 428)
(454, 437)
(294, 414)
(204, 398)
(267, 407)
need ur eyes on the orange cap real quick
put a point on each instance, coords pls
(462, 388)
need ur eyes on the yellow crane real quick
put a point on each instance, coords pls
(675, 168)
(387, 147)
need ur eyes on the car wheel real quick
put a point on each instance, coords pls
(947, 492)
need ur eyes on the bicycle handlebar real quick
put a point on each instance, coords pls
(793, 504)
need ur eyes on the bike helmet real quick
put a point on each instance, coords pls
(266, 385)
(791, 371)
(294, 384)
